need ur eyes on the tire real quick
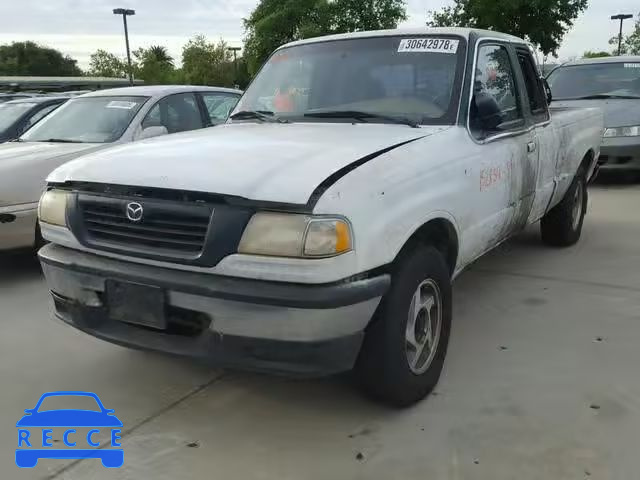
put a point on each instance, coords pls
(562, 225)
(383, 368)
(39, 241)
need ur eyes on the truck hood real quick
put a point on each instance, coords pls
(617, 112)
(24, 166)
(258, 161)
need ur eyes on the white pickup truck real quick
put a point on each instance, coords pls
(320, 229)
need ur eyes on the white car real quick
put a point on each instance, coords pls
(89, 123)
(320, 229)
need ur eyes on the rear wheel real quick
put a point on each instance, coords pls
(562, 225)
(405, 346)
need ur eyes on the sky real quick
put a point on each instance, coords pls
(79, 27)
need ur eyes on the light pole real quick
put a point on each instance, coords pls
(235, 51)
(125, 12)
(622, 17)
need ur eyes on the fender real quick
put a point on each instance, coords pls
(334, 177)
(435, 215)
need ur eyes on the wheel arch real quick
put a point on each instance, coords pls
(588, 163)
(439, 232)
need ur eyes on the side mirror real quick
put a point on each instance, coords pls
(154, 131)
(487, 112)
(547, 90)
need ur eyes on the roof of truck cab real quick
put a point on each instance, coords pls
(398, 32)
(158, 90)
(598, 60)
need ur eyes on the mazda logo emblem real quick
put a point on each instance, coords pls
(134, 211)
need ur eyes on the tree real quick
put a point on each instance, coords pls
(160, 54)
(590, 54)
(205, 63)
(630, 43)
(154, 65)
(275, 22)
(542, 22)
(359, 15)
(105, 64)
(29, 58)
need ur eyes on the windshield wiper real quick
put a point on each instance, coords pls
(605, 96)
(60, 140)
(363, 116)
(262, 115)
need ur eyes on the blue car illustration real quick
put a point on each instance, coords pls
(102, 418)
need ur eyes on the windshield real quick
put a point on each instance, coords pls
(416, 78)
(10, 112)
(88, 119)
(605, 79)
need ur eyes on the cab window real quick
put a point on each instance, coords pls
(495, 106)
(535, 89)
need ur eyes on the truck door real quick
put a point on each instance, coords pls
(544, 144)
(501, 150)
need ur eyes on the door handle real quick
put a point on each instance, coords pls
(531, 147)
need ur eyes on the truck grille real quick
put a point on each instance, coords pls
(169, 228)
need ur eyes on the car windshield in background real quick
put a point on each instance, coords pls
(10, 112)
(87, 120)
(384, 80)
(601, 80)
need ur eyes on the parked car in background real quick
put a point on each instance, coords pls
(92, 122)
(7, 97)
(321, 229)
(612, 84)
(17, 116)
(72, 93)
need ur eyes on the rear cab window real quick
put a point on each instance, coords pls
(537, 102)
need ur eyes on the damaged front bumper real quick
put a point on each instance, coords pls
(294, 329)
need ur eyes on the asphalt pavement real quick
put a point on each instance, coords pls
(541, 381)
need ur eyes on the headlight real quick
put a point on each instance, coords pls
(53, 207)
(622, 132)
(293, 235)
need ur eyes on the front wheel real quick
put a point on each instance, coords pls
(404, 348)
(562, 225)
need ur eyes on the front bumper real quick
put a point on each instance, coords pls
(18, 226)
(298, 329)
(621, 153)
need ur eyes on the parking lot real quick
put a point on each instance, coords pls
(541, 381)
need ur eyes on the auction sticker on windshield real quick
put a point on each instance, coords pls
(121, 104)
(428, 45)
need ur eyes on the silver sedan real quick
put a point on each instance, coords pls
(88, 123)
